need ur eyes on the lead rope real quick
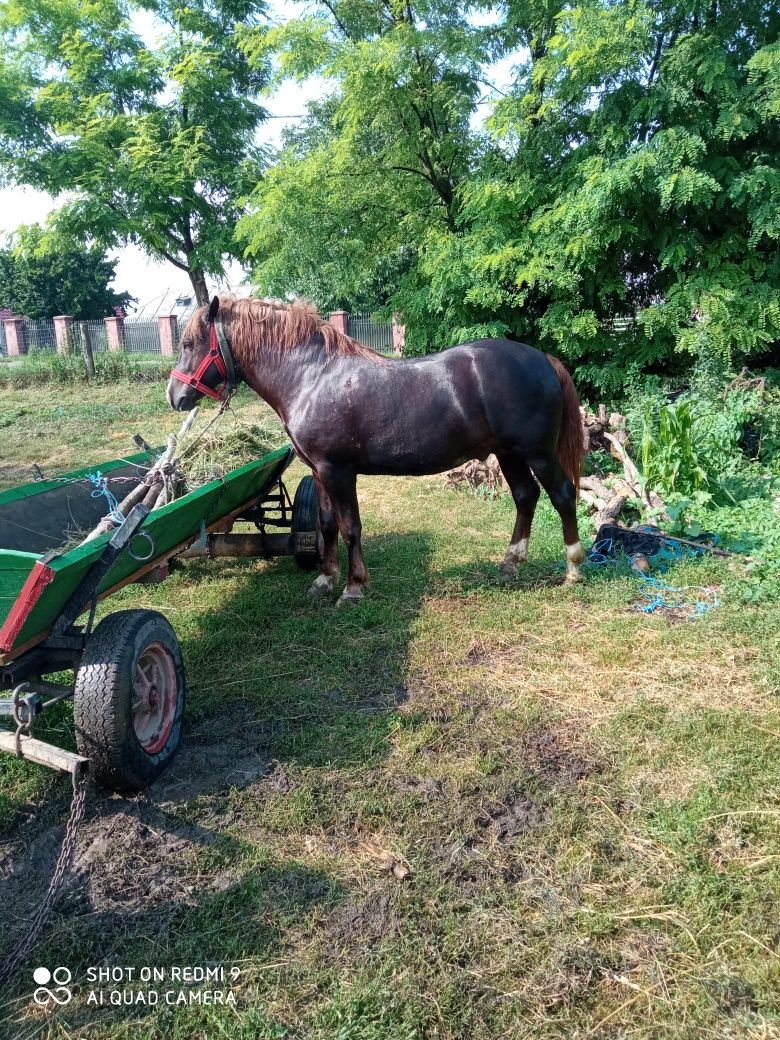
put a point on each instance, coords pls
(223, 408)
(42, 914)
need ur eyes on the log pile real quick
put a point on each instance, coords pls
(610, 493)
(478, 473)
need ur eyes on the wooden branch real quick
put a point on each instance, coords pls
(147, 490)
(633, 477)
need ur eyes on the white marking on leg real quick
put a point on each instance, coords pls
(350, 595)
(575, 554)
(322, 585)
(519, 550)
(516, 553)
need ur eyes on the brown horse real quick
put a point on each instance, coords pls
(349, 410)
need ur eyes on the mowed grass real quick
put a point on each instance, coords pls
(468, 810)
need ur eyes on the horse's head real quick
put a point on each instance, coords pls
(206, 365)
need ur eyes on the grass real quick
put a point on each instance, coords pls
(586, 797)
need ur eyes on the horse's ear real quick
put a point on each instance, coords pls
(214, 308)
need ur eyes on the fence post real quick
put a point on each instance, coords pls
(63, 323)
(399, 335)
(15, 342)
(168, 333)
(338, 319)
(115, 333)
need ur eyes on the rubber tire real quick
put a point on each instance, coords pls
(306, 517)
(102, 701)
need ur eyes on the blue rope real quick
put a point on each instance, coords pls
(657, 594)
(102, 490)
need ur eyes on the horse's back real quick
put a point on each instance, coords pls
(502, 358)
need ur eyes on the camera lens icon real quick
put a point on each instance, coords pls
(60, 994)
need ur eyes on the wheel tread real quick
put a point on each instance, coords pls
(101, 728)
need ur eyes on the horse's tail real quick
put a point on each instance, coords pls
(571, 442)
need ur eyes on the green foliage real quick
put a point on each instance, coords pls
(622, 209)
(671, 451)
(42, 275)
(154, 143)
(693, 451)
(378, 164)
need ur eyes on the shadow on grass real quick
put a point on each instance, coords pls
(276, 682)
(274, 673)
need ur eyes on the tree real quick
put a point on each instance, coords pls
(153, 144)
(621, 210)
(341, 215)
(635, 175)
(41, 276)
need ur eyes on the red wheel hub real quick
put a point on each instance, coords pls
(155, 697)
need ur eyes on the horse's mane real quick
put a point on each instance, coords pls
(254, 325)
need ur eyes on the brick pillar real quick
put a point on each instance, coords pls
(63, 323)
(14, 336)
(338, 320)
(399, 335)
(169, 334)
(115, 332)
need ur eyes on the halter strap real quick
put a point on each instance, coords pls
(221, 357)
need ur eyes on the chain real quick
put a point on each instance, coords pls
(23, 723)
(41, 916)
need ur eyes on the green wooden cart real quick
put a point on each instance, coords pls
(129, 680)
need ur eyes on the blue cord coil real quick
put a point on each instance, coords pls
(102, 490)
(658, 594)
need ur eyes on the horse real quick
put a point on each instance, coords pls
(349, 410)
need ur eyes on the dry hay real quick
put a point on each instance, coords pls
(212, 455)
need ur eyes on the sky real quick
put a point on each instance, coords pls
(156, 285)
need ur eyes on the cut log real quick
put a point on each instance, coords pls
(611, 511)
(632, 474)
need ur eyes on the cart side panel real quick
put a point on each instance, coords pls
(168, 526)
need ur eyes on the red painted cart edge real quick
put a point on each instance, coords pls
(39, 577)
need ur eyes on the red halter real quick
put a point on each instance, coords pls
(214, 357)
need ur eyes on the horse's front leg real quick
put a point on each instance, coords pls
(341, 486)
(329, 529)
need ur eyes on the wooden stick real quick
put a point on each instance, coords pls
(663, 536)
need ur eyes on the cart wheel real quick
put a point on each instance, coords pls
(129, 699)
(306, 517)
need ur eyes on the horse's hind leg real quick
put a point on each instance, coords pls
(525, 492)
(563, 496)
(329, 529)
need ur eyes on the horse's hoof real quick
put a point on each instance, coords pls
(322, 586)
(573, 578)
(346, 598)
(507, 572)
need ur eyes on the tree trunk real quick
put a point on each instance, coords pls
(198, 279)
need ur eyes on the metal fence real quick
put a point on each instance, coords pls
(142, 336)
(89, 332)
(39, 335)
(182, 321)
(375, 334)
